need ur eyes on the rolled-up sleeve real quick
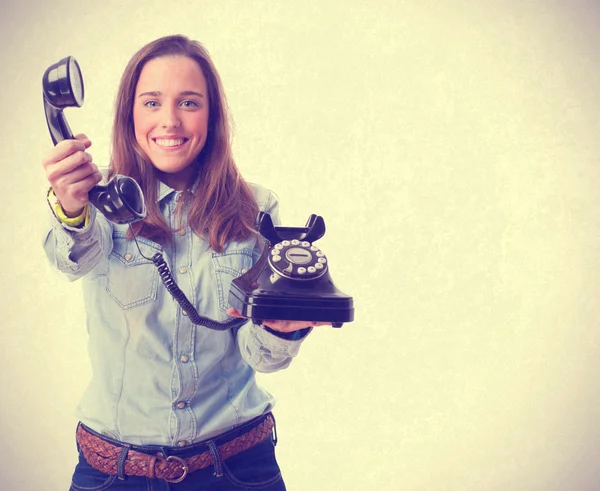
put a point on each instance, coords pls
(266, 352)
(76, 251)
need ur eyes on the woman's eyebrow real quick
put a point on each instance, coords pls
(184, 93)
(191, 92)
(153, 94)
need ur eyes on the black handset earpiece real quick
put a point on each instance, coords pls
(121, 199)
(63, 87)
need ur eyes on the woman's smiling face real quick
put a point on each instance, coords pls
(170, 116)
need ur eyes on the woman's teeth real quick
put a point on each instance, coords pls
(169, 143)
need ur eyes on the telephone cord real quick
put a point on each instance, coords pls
(179, 296)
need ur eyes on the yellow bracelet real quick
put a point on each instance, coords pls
(82, 218)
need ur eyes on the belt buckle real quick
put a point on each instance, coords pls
(184, 466)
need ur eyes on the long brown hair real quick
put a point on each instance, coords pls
(224, 208)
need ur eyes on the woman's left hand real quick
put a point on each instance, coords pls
(282, 326)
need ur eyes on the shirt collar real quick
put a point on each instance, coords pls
(164, 190)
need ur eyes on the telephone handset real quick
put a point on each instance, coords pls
(121, 200)
(291, 279)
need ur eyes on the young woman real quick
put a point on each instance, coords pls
(170, 405)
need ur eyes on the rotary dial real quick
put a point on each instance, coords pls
(298, 260)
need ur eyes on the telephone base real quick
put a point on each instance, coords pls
(291, 279)
(335, 308)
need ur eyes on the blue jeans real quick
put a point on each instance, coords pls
(252, 469)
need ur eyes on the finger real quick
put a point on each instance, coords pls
(62, 150)
(234, 313)
(83, 138)
(281, 326)
(57, 170)
(74, 195)
(79, 190)
(75, 160)
(79, 173)
(287, 326)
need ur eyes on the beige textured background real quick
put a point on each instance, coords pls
(452, 148)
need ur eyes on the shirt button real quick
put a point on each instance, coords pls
(181, 232)
(185, 358)
(181, 443)
(184, 312)
(183, 270)
(244, 270)
(181, 405)
(128, 257)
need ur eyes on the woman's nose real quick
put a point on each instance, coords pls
(170, 118)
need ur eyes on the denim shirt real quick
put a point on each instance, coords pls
(156, 377)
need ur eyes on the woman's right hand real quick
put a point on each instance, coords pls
(72, 173)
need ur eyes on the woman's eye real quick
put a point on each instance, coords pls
(188, 103)
(151, 104)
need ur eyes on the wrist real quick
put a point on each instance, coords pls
(69, 218)
(71, 214)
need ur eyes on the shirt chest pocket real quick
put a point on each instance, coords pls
(131, 279)
(227, 266)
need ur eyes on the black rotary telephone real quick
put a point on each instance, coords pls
(121, 200)
(291, 279)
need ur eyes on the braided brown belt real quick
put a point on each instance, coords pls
(104, 456)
